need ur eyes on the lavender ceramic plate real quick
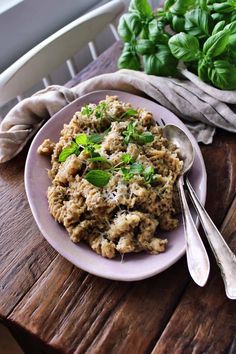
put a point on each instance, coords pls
(133, 267)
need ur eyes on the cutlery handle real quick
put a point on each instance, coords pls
(225, 258)
(197, 258)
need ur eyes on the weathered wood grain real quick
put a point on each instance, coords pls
(77, 313)
(220, 161)
(206, 318)
(73, 312)
(24, 254)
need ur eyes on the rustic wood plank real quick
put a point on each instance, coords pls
(205, 317)
(220, 161)
(76, 312)
(24, 254)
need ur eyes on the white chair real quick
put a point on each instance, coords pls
(60, 47)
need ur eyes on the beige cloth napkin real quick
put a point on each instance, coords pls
(201, 106)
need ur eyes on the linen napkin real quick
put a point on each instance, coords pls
(202, 107)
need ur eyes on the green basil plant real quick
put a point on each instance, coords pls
(200, 33)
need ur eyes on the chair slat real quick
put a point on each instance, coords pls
(47, 81)
(71, 67)
(93, 50)
(114, 31)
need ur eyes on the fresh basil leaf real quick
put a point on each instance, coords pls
(141, 8)
(178, 23)
(136, 168)
(218, 17)
(130, 113)
(148, 174)
(66, 152)
(129, 59)
(216, 44)
(127, 175)
(198, 22)
(184, 47)
(223, 75)
(87, 110)
(168, 4)
(182, 6)
(100, 111)
(232, 43)
(98, 178)
(127, 158)
(218, 27)
(155, 32)
(144, 138)
(162, 63)
(145, 46)
(203, 5)
(95, 138)
(95, 154)
(81, 139)
(225, 7)
(231, 27)
(203, 66)
(129, 26)
(99, 159)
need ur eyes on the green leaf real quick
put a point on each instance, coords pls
(141, 8)
(99, 159)
(127, 175)
(178, 23)
(145, 46)
(198, 22)
(131, 134)
(216, 44)
(184, 47)
(100, 111)
(144, 138)
(203, 66)
(129, 27)
(218, 17)
(81, 139)
(168, 4)
(95, 138)
(223, 75)
(155, 32)
(98, 178)
(218, 27)
(66, 152)
(87, 110)
(127, 158)
(148, 174)
(130, 113)
(162, 63)
(231, 27)
(136, 168)
(129, 59)
(182, 6)
(225, 7)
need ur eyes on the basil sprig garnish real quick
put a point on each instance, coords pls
(131, 134)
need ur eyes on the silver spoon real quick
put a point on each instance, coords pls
(197, 258)
(225, 258)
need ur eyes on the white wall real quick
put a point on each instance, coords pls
(29, 22)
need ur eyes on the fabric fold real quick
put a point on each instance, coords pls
(202, 107)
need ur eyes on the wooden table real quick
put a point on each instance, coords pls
(51, 306)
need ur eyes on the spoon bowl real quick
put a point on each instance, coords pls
(181, 140)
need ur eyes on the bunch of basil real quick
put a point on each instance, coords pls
(201, 33)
